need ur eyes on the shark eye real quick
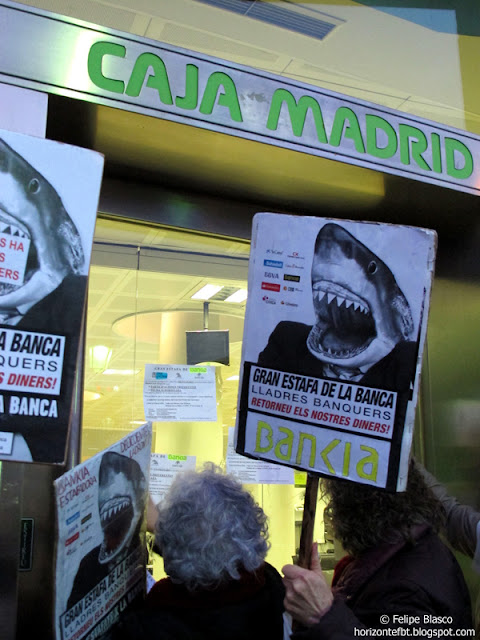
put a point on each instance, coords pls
(372, 267)
(34, 185)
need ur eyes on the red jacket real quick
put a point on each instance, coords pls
(247, 609)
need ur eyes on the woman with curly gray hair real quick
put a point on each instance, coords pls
(213, 538)
(396, 573)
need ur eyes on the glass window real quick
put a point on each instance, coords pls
(140, 305)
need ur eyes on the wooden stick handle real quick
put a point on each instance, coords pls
(308, 522)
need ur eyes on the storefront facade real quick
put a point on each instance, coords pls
(201, 128)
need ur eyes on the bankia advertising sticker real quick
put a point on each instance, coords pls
(48, 205)
(101, 551)
(333, 338)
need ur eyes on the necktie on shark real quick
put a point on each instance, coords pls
(353, 374)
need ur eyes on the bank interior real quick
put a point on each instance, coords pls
(176, 209)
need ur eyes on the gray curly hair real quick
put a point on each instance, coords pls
(209, 528)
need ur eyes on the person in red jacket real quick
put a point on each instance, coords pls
(397, 572)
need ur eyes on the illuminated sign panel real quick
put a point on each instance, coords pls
(119, 70)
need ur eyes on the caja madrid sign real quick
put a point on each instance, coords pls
(120, 70)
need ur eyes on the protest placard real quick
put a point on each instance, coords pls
(101, 550)
(333, 340)
(48, 205)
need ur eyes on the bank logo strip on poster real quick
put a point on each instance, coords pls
(101, 547)
(330, 373)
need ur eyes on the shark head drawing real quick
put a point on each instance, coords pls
(121, 503)
(31, 208)
(361, 313)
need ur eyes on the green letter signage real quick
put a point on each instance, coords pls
(95, 61)
(298, 113)
(227, 99)
(352, 130)
(374, 124)
(158, 80)
(452, 146)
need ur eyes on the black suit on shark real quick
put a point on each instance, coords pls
(59, 313)
(287, 350)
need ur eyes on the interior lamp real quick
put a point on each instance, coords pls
(238, 296)
(89, 396)
(206, 292)
(98, 357)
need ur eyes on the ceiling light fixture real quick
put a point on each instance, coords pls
(238, 296)
(88, 395)
(120, 372)
(98, 357)
(206, 292)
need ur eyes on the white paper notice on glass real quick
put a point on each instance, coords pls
(179, 393)
(163, 469)
(249, 471)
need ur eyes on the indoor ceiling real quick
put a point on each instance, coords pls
(416, 57)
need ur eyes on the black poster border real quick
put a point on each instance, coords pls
(403, 399)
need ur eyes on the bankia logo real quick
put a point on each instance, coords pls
(277, 264)
(270, 286)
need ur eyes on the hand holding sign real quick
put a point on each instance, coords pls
(308, 596)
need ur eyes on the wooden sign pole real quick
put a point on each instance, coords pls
(308, 522)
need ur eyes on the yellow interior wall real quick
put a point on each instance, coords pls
(120, 315)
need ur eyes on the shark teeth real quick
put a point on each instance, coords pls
(113, 508)
(319, 294)
(345, 325)
(116, 517)
(345, 352)
(111, 512)
(12, 230)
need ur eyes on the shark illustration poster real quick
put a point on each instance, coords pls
(334, 332)
(48, 205)
(101, 548)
